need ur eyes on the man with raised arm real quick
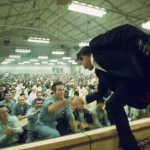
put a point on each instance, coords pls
(52, 108)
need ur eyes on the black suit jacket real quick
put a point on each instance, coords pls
(118, 51)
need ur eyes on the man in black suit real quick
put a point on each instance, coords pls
(121, 58)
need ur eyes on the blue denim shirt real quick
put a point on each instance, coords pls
(11, 104)
(51, 117)
(14, 136)
(31, 119)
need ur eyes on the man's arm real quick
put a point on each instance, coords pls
(73, 125)
(102, 92)
(117, 37)
(57, 105)
(96, 122)
(16, 126)
(107, 122)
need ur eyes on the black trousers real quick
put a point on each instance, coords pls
(128, 93)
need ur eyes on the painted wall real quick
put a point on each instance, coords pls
(34, 69)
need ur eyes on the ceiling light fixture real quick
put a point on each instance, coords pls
(9, 59)
(37, 63)
(43, 57)
(61, 63)
(23, 51)
(26, 62)
(58, 52)
(84, 44)
(44, 62)
(21, 63)
(71, 60)
(87, 9)
(14, 56)
(74, 63)
(4, 63)
(53, 60)
(146, 25)
(51, 63)
(66, 58)
(38, 40)
(33, 59)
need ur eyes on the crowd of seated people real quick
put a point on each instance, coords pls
(35, 98)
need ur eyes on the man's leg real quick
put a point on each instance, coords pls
(125, 94)
(46, 132)
(31, 136)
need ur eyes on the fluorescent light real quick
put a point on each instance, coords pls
(146, 25)
(43, 57)
(61, 63)
(74, 63)
(53, 60)
(71, 60)
(51, 63)
(58, 52)
(21, 63)
(4, 63)
(38, 40)
(84, 44)
(23, 50)
(37, 63)
(44, 62)
(9, 59)
(26, 62)
(66, 58)
(14, 56)
(87, 9)
(33, 59)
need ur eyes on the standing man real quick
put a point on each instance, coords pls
(121, 58)
(51, 110)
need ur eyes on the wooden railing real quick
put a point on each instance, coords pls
(98, 139)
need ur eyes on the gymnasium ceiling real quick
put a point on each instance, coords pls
(20, 19)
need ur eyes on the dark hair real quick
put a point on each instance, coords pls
(101, 100)
(38, 100)
(2, 106)
(55, 84)
(83, 51)
(38, 92)
(5, 93)
(76, 93)
(22, 94)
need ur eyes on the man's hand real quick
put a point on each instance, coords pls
(37, 111)
(20, 117)
(75, 101)
(8, 130)
(83, 125)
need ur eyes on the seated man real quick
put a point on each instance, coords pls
(83, 118)
(9, 128)
(32, 116)
(38, 96)
(99, 115)
(8, 103)
(52, 108)
(20, 109)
